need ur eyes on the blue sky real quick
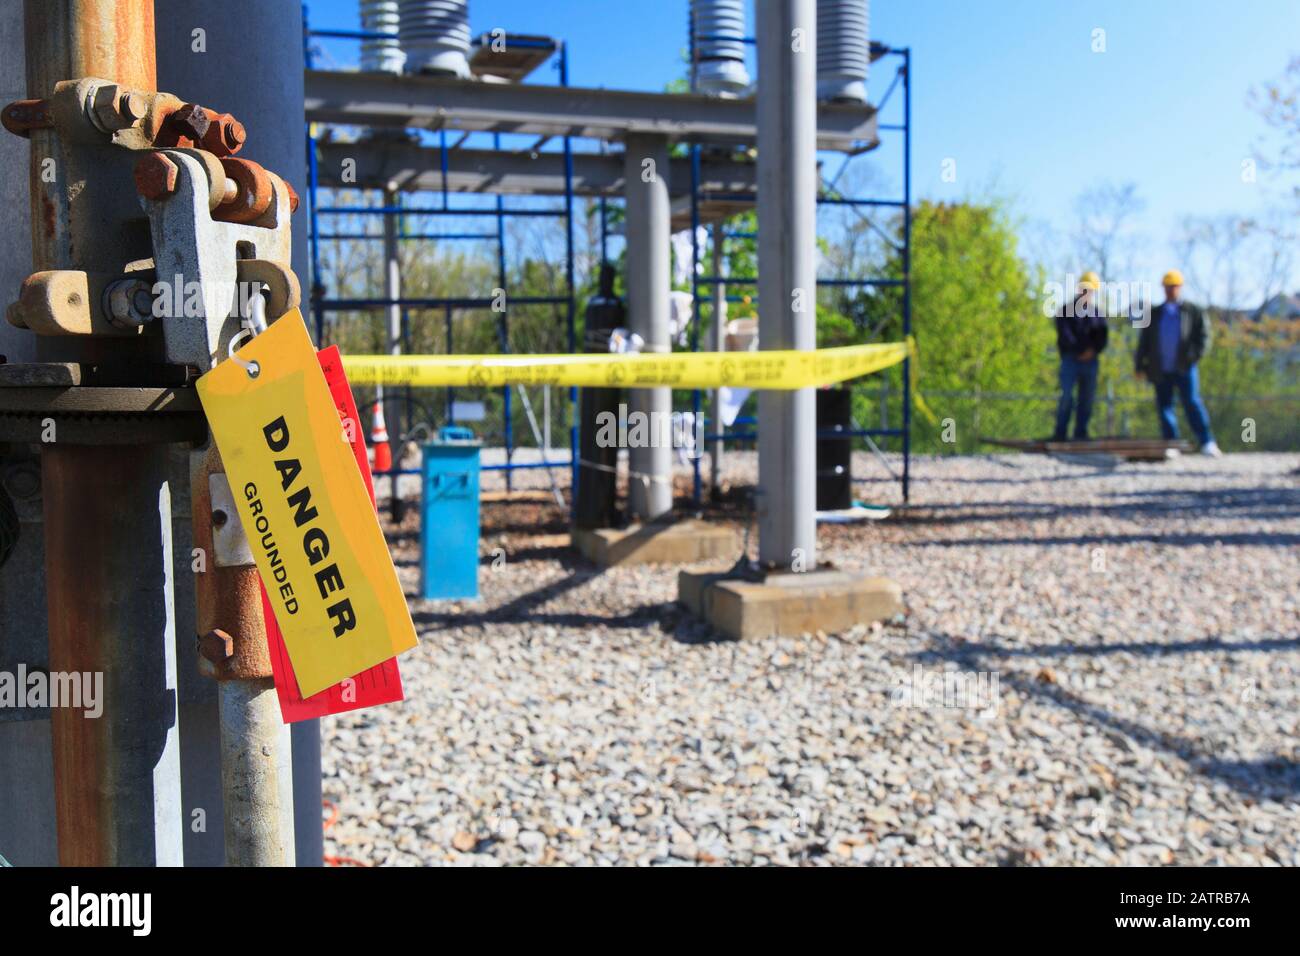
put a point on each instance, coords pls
(1013, 92)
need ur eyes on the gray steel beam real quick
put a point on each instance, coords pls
(650, 490)
(787, 280)
(377, 163)
(379, 99)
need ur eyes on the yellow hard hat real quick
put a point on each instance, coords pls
(1090, 280)
(1172, 277)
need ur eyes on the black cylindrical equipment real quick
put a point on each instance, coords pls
(834, 462)
(597, 504)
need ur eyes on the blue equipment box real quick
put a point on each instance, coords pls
(449, 515)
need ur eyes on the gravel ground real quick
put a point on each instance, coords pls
(1120, 650)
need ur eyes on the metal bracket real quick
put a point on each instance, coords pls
(193, 253)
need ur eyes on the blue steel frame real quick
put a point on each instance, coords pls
(321, 304)
(720, 234)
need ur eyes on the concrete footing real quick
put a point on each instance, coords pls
(787, 604)
(679, 542)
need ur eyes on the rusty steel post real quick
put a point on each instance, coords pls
(257, 796)
(109, 587)
(107, 509)
(66, 39)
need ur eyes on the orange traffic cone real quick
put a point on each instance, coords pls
(379, 440)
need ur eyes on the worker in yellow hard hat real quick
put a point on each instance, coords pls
(1169, 348)
(1081, 334)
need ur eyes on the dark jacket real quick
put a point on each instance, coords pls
(1085, 329)
(1193, 341)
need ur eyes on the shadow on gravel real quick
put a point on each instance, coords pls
(1263, 503)
(544, 552)
(1268, 539)
(669, 617)
(523, 609)
(1271, 778)
(1143, 648)
(1085, 473)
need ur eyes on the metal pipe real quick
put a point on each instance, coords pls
(234, 652)
(787, 282)
(503, 330)
(719, 337)
(695, 311)
(650, 492)
(571, 317)
(907, 270)
(259, 831)
(392, 292)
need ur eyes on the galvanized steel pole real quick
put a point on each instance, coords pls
(252, 65)
(650, 490)
(719, 343)
(787, 292)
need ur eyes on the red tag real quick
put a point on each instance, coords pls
(381, 684)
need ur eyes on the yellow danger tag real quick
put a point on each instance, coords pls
(302, 502)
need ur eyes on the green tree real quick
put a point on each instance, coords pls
(977, 316)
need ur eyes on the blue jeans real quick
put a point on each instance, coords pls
(1189, 389)
(1084, 375)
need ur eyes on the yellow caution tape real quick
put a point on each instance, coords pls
(787, 369)
(917, 400)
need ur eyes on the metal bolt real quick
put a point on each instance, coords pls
(132, 106)
(293, 197)
(129, 302)
(189, 122)
(155, 176)
(216, 646)
(225, 136)
(112, 109)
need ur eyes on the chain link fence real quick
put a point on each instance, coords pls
(1239, 422)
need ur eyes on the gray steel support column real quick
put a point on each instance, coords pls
(650, 490)
(787, 292)
(251, 66)
(719, 343)
(27, 833)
